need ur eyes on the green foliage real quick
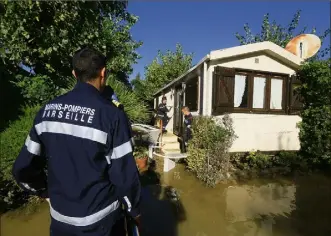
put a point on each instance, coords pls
(258, 159)
(259, 163)
(138, 87)
(290, 160)
(11, 141)
(278, 34)
(11, 98)
(133, 105)
(315, 128)
(43, 35)
(140, 152)
(37, 89)
(208, 155)
(164, 68)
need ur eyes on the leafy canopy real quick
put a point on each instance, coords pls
(41, 37)
(164, 68)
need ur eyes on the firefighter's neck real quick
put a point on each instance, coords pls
(96, 83)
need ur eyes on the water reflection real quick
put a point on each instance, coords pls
(281, 207)
(161, 207)
(250, 209)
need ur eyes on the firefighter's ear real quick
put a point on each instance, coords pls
(103, 77)
(103, 73)
(74, 74)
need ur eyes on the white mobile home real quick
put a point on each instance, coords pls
(253, 83)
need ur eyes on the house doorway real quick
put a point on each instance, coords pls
(178, 117)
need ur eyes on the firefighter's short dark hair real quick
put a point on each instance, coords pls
(87, 64)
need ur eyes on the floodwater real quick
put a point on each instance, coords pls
(282, 207)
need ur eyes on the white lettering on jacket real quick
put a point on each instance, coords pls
(69, 112)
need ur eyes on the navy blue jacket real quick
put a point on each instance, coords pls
(162, 110)
(86, 143)
(187, 128)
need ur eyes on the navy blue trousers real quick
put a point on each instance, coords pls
(116, 230)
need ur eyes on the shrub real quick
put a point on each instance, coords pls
(11, 141)
(258, 160)
(134, 107)
(38, 89)
(315, 128)
(259, 163)
(208, 155)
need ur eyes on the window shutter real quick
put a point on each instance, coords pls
(295, 103)
(191, 94)
(223, 89)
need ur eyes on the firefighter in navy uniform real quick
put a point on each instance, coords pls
(187, 134)
(85, 140)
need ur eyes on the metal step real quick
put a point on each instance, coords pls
(170, 146)
(171, 151)
(170, 160)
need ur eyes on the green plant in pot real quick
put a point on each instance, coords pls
(141, 156)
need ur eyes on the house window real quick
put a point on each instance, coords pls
(259, 93)
(241, 91)
(276, 94)
(191, 94)
(236, 90)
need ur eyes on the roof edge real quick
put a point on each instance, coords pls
(206, 58)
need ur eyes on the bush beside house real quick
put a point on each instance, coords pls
(208, 155)
(315, 128)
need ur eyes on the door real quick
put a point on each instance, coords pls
(178, 117)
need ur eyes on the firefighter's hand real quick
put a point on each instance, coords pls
(137, 221)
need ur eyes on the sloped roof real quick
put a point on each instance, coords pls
(267, 47)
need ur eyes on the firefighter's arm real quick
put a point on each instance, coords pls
(123, 172)
(29, 167)
(189, 122)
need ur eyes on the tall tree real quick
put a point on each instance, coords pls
(163, 69)
(41, 36)
(278, 34)
(138, 86)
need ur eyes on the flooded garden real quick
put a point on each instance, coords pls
(176, 203)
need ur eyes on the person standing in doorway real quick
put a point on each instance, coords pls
(187, 135)
(162, 111)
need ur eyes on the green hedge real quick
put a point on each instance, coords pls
(315, 128)
(208, 155)
(11, 142)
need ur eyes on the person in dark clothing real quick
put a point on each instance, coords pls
(162, 111)
(109, 94)
(187, 134)
(86, 143)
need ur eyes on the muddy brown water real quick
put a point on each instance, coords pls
(262, 207)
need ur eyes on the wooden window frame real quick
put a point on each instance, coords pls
(219, 109)
(191, 81)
